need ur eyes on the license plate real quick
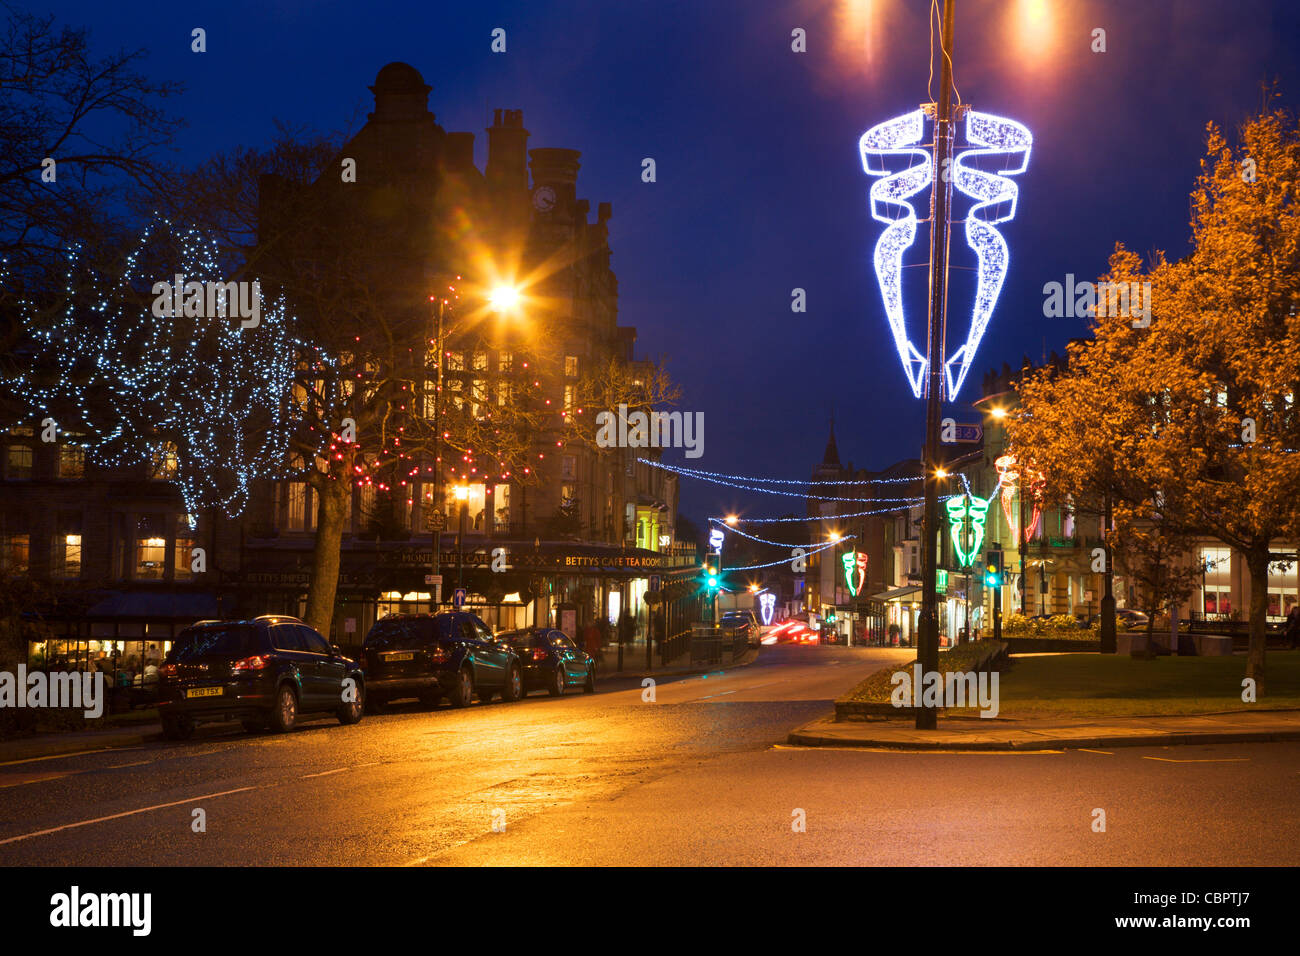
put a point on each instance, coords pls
(203, 692)
(398, 657)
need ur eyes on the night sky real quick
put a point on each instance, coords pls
(760, 188)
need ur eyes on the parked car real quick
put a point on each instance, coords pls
(451, 655)
(746, 619)
(268, 671)
(551, 661)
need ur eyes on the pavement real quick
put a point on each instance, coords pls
(975, 733)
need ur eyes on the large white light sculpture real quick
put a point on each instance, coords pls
(894, 143)
(895, 140)
(767, 605)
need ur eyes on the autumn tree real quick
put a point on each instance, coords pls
(1190, 414)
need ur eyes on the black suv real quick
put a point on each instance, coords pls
(267, 671)
(450, 655)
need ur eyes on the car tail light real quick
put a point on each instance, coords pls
(168, 670)
(255, 663)
(540, 653)
(439, 654)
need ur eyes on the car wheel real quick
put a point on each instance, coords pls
(557, 686)
(430, 699)
(253, 725)
(176, 727)
(590, 686)
(463, 689)
(514, 686)
(350, 713)
(285, 712)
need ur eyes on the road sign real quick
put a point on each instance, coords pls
(656, 582)
(433, 579)
(968, 434)
(458, 598)
(434, 520)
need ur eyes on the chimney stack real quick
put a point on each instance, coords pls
(507, 149)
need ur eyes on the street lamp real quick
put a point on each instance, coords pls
(503, 298)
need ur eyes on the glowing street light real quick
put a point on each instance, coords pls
(503, 298)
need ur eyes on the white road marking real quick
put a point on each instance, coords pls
(128, 813)
(75, 753)
(1087, 751)
(323, 773)
(1200, 760)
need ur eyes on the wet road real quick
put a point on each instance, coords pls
(698, 776)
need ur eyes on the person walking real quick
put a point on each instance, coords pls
(1293, 626)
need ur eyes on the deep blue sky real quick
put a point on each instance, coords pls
(760, 188)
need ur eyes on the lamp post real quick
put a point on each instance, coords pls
(927, 718)
(435, 518)
(462, 495)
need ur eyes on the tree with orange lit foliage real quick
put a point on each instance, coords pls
(1194, 416)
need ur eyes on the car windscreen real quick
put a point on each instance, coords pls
(234, 640)
(518, 639)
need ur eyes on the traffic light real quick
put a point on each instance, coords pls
(710, 576)
(993, 569)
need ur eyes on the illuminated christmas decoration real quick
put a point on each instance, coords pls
(767, 606)
(715, 539)
(995, 199)
(855, 571)
(203, 399)
(892, 150)
(966, 512)
(886, 144)
(803, 482)
(1010, 474)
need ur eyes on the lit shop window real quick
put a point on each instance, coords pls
(150, 548)
(501, 501)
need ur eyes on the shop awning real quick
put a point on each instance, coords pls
(897, 594)
(142, 605)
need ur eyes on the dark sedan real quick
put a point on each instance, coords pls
(451, 655)
(267, 671)
(551, 660)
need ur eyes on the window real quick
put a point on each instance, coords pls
(567, 494)
(150, 548)
(568, 467)
(505, 362)
(183, 558)
(297, 511)
(1217, 583)
(503, 393)
(66, 551)
(480, 361)
(165, 463)
(479, 398)
(430, 398)
(314, 643)
(456, 361)
(14, 550)
(72, 461)
(18, 462)
(571, 366)
(288, 637)
(457, 399)
(570, 398)
(501, 500)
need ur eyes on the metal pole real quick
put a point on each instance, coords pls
(460, 545)
(1108, 642)
(927, 718)
(438, 502)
